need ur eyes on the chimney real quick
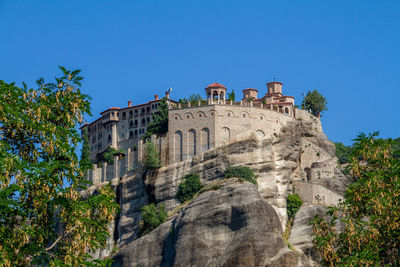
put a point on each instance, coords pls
(156, 97)
(129, 103)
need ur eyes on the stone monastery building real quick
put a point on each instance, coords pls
(192, 128)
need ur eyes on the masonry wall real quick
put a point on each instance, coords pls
(193, 130)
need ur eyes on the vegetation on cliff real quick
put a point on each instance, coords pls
(314, 102)
(188, 187)
(370, 211)
(152, 156)
(293, 204)
(241, 172)
(152, 217)
(44, 221)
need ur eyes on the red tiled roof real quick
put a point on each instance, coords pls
(215, 85)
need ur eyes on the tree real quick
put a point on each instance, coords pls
(159, 123)
(152, 217)
(231, 96)
(152, 157)
(343, 152)
(44, 221)
(370, 211)
(314, 102)
(85, 163)
(194, 98)
(188, 187)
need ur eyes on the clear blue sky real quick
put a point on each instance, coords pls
(130, 50)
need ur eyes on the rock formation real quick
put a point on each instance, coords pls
(238, 224)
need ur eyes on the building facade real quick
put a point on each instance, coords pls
(193, 128)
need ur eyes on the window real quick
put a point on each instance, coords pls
(124, 115)
(130, 124)
(130, 135)
(130, 114)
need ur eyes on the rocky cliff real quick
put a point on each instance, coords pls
(238, 224)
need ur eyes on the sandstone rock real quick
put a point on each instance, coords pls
(231, 226)
(301, 232)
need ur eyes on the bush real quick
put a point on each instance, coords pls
(293, 204)
(241, 172)
(189, 187)
(152, 160)
(108, 155)
(152, 217)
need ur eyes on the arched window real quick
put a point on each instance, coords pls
(130, 135)
(135, 132)
(192, 142)
(178, 146)
(143, 110)
(143, 122)
(130, 114)
(124, 115)
(205, 139)
(287, 110)
(136, 123)
(109, 138)
(130, 124)
(148, 109)
(136, 113)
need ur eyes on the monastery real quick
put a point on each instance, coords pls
(192, 128)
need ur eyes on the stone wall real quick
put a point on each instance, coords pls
(193, 130)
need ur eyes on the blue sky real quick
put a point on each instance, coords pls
(131, 50)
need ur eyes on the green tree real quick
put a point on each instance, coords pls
(159, 122)
(314, 102)
(343, 152)
(293, 204)
(152, 156)
(370, 210)
(188, 187)
(231, 96)
(108, 155)
(241, 172)
(85, 163)
(44, 221)
(152, 217)
(194, 98)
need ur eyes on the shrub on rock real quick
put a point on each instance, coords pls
(152, 217)
(293, 204)
(189, 187)
(241, 172)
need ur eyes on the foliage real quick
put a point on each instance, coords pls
(152, 217)
(43, 219)
(85, 163)
(241, 172)
(293, 204)
(159, 121)
(152, 157)
(314, 102)
(231, 96)
(343, 152)
(370, 210)
(108, 155)
(193, 99)
(188, 187)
